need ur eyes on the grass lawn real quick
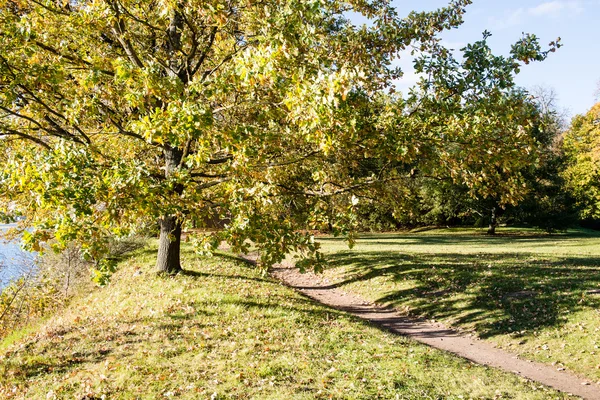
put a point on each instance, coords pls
(534, 294)
(223, 331)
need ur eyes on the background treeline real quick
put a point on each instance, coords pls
(562, 186)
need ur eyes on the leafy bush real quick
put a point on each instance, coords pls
(50, 281)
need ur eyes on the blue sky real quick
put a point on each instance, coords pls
(573, 71)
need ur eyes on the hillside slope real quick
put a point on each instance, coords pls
(224, 331)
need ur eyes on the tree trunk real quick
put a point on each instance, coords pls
(493, 223)
(169, 245)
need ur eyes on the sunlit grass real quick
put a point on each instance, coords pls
(224, 331)
(533, 293)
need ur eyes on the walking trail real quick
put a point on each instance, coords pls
(434, 334)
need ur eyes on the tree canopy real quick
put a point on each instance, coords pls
(545, 203)
(582, 149)
(276, 116)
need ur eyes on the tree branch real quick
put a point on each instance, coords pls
(283, 164)
(211, 40)
(71, 58)
(7, 131)
(119, 32)
(222, 160)
(207, 185)
(205, 175)
(344, 189)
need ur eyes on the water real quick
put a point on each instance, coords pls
(14, 262)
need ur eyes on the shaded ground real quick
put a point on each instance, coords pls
(436, 335)
(223, 331)
(537, 295)
(491, 293)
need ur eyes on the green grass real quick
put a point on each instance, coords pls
(224, 331)
(524, 290)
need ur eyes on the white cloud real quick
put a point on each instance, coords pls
(515, 17)
(509, 19)
(553, 9)
(453, 45)
(556, 7)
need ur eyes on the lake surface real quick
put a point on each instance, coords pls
(14, 262)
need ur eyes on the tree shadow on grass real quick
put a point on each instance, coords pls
(198, 274)
(492, 293)
(36, 366)
(170, 331)
(471, 239)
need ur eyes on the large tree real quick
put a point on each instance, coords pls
(114, 113)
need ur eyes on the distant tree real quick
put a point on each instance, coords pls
(439, 200)
(553, 119)
(118, 113)
(582, 149)
(547, 205)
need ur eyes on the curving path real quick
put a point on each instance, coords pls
(434, 334)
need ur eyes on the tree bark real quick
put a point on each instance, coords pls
(168, 260)
(169, 243)
(493, 223)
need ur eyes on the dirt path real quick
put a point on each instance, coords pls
(436, 335)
